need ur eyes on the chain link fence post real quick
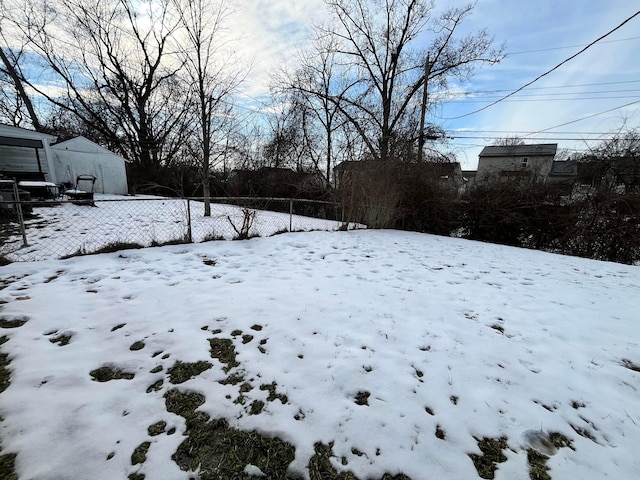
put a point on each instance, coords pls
(189, 232)
(290, 214)
(18, 205)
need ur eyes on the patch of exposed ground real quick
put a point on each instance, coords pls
(538, 469)
(487, 463)
(180, 372)
(13, 322)
(321, 468)
(61, 339)
(139, 345)
(110, 372)
(223, 350)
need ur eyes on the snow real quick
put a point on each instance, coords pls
(414, 320)
(64, 229)
(27, 183)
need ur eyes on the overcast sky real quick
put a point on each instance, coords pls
(533, 32)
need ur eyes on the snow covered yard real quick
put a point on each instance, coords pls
(57, 231)
(311, 354)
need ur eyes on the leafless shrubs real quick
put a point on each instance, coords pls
(243, 230)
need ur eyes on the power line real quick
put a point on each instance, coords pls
(549, 71)
(529, 132)
(551, 100)
(568, 46)
(543, 139)
(585, 118)
(560, 86)
(597, 92)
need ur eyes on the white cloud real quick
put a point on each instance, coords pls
(270, 33)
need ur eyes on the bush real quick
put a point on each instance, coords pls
(600, 224)
(408, 196)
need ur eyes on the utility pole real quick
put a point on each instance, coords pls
(425, 91)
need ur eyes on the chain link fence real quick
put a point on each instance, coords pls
(60, 229)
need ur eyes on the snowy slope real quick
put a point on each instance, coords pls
(376, 341)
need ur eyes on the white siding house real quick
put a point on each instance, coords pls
(81, 156)
(26, 154)
(531, 162)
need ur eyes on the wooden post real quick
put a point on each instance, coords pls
(427, 71)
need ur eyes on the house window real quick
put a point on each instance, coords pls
(524, 161)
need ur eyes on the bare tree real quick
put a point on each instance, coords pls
(16, 105)
(292, 141)
(614, 163)
(374, 42)
(112, 64)
(213, 73)
(314, 83)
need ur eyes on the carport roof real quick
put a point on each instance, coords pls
(20, 142)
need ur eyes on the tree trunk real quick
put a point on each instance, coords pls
(17, 81)
(206, 193)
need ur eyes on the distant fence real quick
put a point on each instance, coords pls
(60, 229)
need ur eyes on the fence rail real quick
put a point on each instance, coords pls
(60, 229)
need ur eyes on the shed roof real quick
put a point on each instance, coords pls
(538, 149)
(84, 145)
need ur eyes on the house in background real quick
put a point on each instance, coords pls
(25, 155)
(81, 156)
(530, 163)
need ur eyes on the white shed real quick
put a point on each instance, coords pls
(81, 156)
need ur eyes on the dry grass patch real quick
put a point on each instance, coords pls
(487, 463)
(13, 322)
(110, 372)
(223, 350)
(538, 469)
(217, 451)
(180, 372)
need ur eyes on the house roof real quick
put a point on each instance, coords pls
(539, 149)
